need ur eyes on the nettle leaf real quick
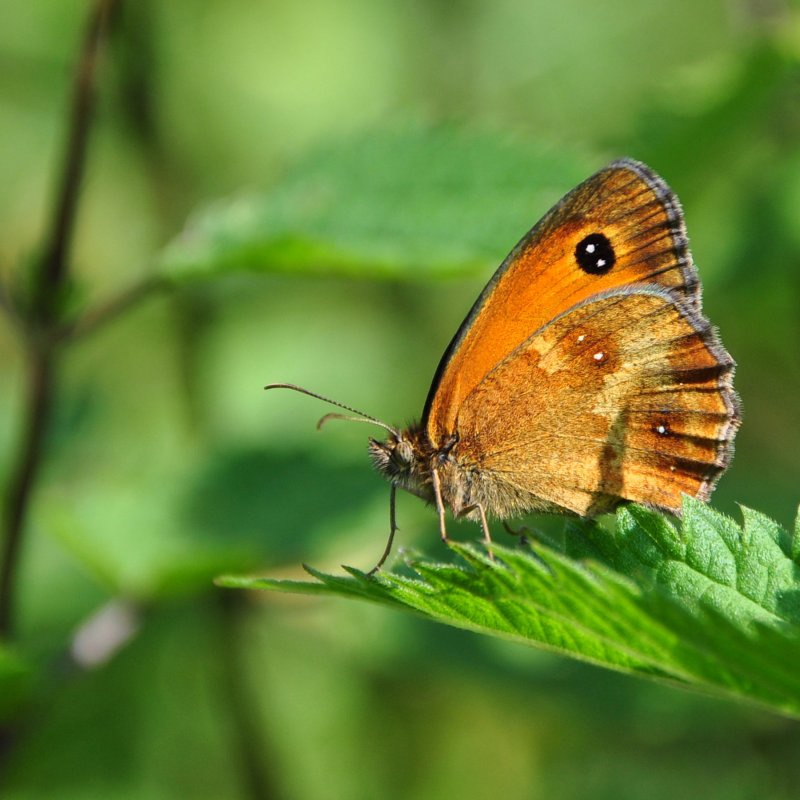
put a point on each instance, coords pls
(705, 603)
(424, 202)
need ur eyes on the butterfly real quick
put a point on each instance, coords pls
(585, 374)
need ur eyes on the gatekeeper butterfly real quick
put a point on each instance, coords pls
(584, 375)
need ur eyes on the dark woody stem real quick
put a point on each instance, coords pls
(43, 320)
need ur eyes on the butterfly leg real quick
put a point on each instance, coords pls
(487, 536)
(524, 533)
(392, 530)
(437, 494)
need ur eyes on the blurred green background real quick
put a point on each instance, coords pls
(167, 464)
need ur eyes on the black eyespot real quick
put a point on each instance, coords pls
(595, 254)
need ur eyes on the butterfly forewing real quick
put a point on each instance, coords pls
(621, 226)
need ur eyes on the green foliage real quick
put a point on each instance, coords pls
(708, 604)
(409, 204)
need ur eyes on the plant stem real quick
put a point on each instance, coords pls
(44, 318)
(111, 309)
(39, 401)
(54, 262)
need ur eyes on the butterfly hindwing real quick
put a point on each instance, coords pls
(628, 395)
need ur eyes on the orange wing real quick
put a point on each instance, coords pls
(621, 226)
(629, 395)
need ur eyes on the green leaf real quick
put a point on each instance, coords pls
(412, 204)
(707, 603)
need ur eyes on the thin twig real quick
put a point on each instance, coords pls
(40, 381)
(54, 262)
(111, 309)
(42, 344)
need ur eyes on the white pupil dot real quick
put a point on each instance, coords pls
(601, 262)
(599, 356)
(581, 337)
(590, 248)
(661, 429)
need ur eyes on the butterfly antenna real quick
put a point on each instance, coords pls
(357, 416)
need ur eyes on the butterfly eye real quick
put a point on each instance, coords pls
(594, 254)
(403, 454)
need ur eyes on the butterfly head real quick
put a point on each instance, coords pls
(403, 459)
